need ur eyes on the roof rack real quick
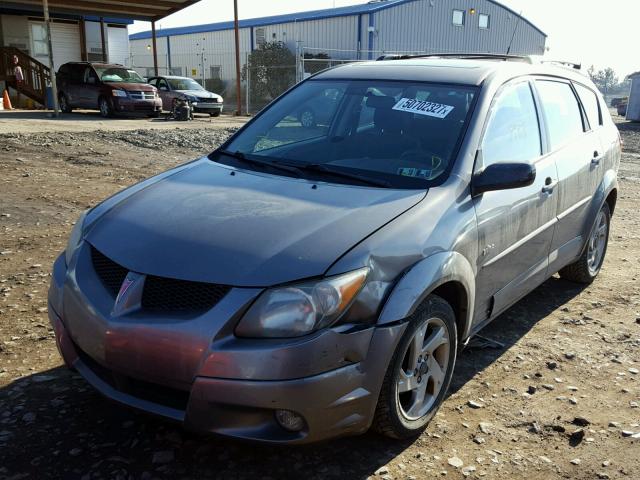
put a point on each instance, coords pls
(474, 56)
(577, 66)
(483, 56)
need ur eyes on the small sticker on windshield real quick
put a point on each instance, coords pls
(422, 107)
(414, 172)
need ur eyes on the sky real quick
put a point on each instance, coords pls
(591, 32)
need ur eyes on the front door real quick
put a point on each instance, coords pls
(515, 227)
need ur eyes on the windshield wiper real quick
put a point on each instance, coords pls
(263, 163)
(323, 168)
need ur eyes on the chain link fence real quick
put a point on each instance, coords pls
(265, 73)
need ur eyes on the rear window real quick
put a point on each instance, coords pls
(561, 112)
(591, 105)
(406, 133)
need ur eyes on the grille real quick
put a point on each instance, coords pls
(169, 295)
(161, 294)
(110, 273)
(144, 107)
(137, 95)
(208, 100)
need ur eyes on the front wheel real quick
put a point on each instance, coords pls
(214, 114)
(64, 104)
(587, 267)
(419, 373)
(105, 108)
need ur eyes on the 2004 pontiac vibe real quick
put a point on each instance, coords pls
(311, 279)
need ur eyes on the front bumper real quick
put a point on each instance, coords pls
(214, 382)
(202, 107)
(129, 105)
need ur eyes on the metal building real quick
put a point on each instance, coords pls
(357, 32)
(633, 106)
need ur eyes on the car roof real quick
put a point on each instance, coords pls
(465, 71)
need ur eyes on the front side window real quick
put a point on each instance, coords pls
(405, 133)
(591, 105)
(483, 21)
(512, 133)
(561, 111)
(458, 17)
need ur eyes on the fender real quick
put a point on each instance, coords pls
(607, 185)
(423, 278)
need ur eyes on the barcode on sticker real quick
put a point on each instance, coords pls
(422, 107)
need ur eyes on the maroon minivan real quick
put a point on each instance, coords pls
(111, 88)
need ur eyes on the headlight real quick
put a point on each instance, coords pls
(190, 98)
(295, 310)
(118, 93)
(74, 238)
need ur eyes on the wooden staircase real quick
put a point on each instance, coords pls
(37, 76)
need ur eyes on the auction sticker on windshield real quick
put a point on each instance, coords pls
(422, 107)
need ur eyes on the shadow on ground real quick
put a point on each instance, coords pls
(52, 424)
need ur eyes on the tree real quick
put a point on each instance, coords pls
(605, 79)
(270, 69)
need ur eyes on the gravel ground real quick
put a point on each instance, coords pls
(559, 400)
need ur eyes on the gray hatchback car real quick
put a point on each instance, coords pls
(310, 281)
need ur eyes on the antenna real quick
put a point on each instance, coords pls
(514, 32)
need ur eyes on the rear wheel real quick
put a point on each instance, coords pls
(105, 108)
(64, 104)
(587, 267)
(214, 114)
(419, 373)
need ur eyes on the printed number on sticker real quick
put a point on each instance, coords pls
(422, 107)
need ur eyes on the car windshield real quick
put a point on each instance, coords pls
(118, 74)
(184, 84)
(405, 134)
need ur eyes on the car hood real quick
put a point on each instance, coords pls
(199, 93)
(247, 229)
(132, 86)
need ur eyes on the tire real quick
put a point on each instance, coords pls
(587, 267)
(64, 104)
(154, 115)
(106, 110)
(397, 415)
(307, 118)
(214, 114)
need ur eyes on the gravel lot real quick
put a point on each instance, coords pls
(559, 400)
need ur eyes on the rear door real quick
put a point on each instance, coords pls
(515, 227)
(576, 150)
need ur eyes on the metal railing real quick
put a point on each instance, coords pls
(37, 76)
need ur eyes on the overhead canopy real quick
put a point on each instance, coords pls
(149, 10)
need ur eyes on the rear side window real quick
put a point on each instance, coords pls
(512, 133)
(591, 105)
(561, 112)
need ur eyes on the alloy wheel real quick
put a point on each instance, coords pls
(423, 369)
(597, 243)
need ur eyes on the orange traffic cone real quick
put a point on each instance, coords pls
(6, 100)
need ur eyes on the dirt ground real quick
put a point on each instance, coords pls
(559, 400)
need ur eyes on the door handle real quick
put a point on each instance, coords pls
(549, 185)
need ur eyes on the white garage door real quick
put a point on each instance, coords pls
(118, 41)
(65, 38)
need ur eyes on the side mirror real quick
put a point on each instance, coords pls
(92, 80)
(502, 176)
